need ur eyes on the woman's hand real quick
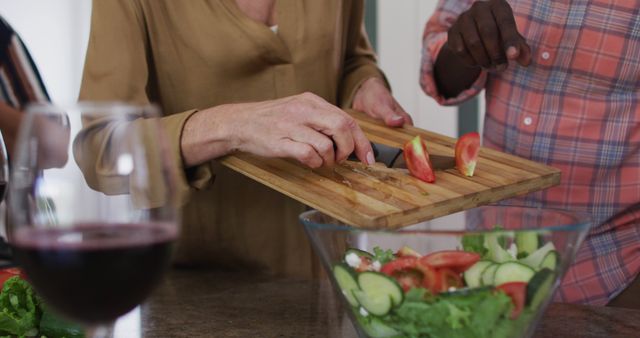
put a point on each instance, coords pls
(375, 100)
(304, 127)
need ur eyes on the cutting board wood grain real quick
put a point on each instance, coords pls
(379, 197)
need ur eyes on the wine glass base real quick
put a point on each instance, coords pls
(100, 331)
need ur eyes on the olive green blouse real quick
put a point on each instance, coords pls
(190, 55)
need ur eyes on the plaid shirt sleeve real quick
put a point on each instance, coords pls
(434, 38)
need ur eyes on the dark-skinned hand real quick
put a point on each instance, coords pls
(486, 36)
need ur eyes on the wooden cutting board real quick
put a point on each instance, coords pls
(379, 197)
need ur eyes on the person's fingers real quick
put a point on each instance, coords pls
(514, 44)
(456, 44)
(322, 144)
(387, 113)
(348, 128)
(362, 145)
(336, 124)
(524, 59)
(302, 152)
(400, 111)
(473, 42)
(490, 37)
(342, 128)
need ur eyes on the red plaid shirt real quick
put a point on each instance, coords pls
(577, 108)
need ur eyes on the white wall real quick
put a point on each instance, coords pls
(56, 35)
(400, 27)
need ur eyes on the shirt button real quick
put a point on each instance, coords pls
(545, 55)
(527, 121)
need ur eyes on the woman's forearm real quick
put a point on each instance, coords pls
(208, 134)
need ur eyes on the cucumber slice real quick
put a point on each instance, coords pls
(550, 260)
(378, 305)
(474, 273)
(512, 272)
(346, 282)
(377, 329)
(539, 287)
(496, 252)
(535, 258)
(487, 275)
(377, 285)
(527, 242)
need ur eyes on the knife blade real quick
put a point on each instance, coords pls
(391, 157)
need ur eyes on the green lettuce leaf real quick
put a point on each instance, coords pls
(19, 309)
(481, 313)
(383, 256)
(474, 243)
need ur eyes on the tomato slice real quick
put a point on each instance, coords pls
(399, 264)
(458, 261)
(8, 273)
(517, 291)
(467, 150)
(449, 278)
(430, 279)
(410, 273)
(417, 158)
(408, 278)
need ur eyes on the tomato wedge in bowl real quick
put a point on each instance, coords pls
(517, 292)
(455, 260)
(7, 273)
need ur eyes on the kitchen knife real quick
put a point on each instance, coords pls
(392, 157)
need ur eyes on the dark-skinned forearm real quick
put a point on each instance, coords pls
(452, 75)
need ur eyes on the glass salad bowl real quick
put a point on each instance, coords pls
(485, 272)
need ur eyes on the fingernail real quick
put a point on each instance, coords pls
(370, 158)
(512, 52)
(396, 118)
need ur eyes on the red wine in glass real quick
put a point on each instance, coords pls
(3, 190)
(94, 272)
(5, 251)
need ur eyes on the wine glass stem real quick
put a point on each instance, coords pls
(100, 331)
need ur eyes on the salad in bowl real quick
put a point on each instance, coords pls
(487, 272)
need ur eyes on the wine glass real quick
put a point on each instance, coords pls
(93, 207)
(4, 169)
(4, 179)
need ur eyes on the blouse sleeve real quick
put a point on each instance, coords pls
(117, 69)
(434, 38)
(360, 61)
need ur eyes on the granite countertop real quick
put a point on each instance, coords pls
(204, 303)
